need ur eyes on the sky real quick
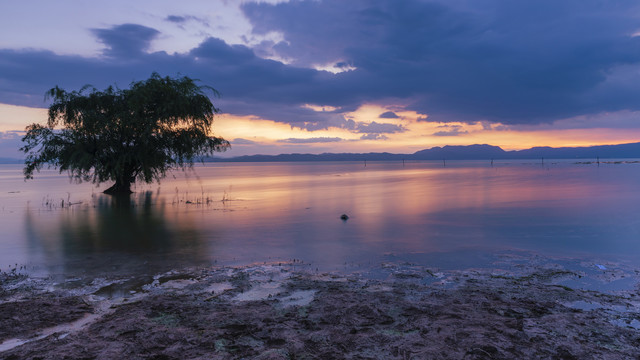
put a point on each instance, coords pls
(320, 76)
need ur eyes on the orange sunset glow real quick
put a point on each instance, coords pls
(418, 134)
(270, 137)
(413, 86)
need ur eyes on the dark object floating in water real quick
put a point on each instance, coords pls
(344, 217)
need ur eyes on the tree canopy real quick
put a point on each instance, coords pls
(124, 135)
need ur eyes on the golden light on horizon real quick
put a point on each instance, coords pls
(16, 118)
(417, 133)
(412, 132)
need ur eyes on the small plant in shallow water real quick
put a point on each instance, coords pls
(50, 203)
(13, 273)
(203, 199)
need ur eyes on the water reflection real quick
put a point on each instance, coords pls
(276, 212)
(114, 234)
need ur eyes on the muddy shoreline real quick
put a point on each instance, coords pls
(286, 311)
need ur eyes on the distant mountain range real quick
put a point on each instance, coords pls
(469, 152)
(449, 152)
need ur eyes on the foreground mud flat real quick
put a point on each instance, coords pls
(525, 310)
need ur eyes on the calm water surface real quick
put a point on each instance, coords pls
(423, 212)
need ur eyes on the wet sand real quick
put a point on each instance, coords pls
(524, 310)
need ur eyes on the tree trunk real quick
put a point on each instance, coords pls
(119, 188)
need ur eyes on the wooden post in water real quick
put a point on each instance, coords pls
(365, 163)
(491, 162)
(444, 163)
(598, 160)
(402, 162)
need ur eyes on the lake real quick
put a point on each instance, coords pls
(451, 216)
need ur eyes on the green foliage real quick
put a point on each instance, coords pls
(124, 135)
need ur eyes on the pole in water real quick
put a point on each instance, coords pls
(491, 162)
(402, 162)
(444, 163)
(598, 160)
(365, 163)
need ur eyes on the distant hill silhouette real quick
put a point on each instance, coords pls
(604, 151)
(449, 152)
(459, 152)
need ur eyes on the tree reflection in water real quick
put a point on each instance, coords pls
(123, 234)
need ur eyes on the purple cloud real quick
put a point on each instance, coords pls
(373, 137)
(127, 40)
(389, 115)
(526, 62)
(450, 130)
(379, 128)
(310, 140)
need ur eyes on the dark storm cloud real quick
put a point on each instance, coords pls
(507, 61)
(514, 62)
(127, 40)
(250, 85)
(267, 88)
(26, 75)
(388, 115)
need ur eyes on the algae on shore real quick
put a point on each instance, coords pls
(282, 312)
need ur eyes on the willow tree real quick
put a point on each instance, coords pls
(129, 135)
